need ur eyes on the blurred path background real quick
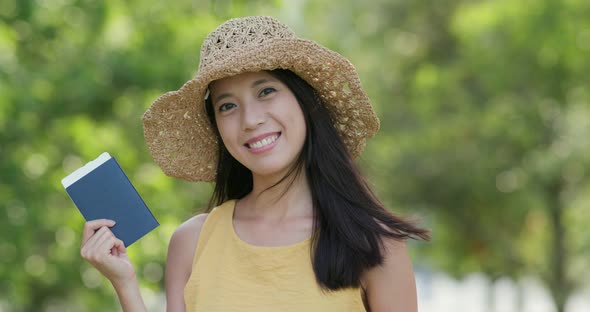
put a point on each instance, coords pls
(485, 111)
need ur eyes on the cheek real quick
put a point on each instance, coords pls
(298, 128)
(302, 129)
(225, 131)
(297, 119)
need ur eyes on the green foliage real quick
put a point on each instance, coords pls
(75, 77)
(484, 110)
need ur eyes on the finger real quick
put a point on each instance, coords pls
(96, 238)
(91, 226)
(107, 245)
(89, 250)
(120, 246)
(100, 245)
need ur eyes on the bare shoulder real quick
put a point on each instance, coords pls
(190, 229)
(181, 251)
(184, 240)
(392, 283)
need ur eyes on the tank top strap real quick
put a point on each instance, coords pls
(216, 220)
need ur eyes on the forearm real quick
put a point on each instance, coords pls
(130, 296)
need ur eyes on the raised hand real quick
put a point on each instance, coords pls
(106, 252)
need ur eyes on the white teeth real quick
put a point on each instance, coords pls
(263, 142)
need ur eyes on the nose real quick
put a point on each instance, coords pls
(253, 115)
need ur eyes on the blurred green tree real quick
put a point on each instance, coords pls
(484, 109)
(75, 77)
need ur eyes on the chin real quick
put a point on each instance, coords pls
(268, 169)
(269, 172)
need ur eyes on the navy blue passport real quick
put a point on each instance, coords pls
(101, 190)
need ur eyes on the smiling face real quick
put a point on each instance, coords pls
(260, 122)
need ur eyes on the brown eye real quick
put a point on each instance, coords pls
(266, 91)
(226, 106)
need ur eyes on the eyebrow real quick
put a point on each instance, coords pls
(254, 84)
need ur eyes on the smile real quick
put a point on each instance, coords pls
(263, 142)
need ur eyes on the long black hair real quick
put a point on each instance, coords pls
(349, 221)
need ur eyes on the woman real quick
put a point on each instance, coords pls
(276, 122)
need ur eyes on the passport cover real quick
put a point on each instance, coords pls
(101, 190)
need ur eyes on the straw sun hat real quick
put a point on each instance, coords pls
(177, 130)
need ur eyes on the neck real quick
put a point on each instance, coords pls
(290, 198)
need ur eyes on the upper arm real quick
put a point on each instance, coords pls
(391, 286)
(181, 251)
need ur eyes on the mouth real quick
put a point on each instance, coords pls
(260, 142)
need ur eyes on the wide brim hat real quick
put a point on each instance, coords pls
(176, 127)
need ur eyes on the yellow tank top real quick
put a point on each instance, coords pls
(229, 274)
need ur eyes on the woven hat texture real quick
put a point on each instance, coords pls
(176, 128)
